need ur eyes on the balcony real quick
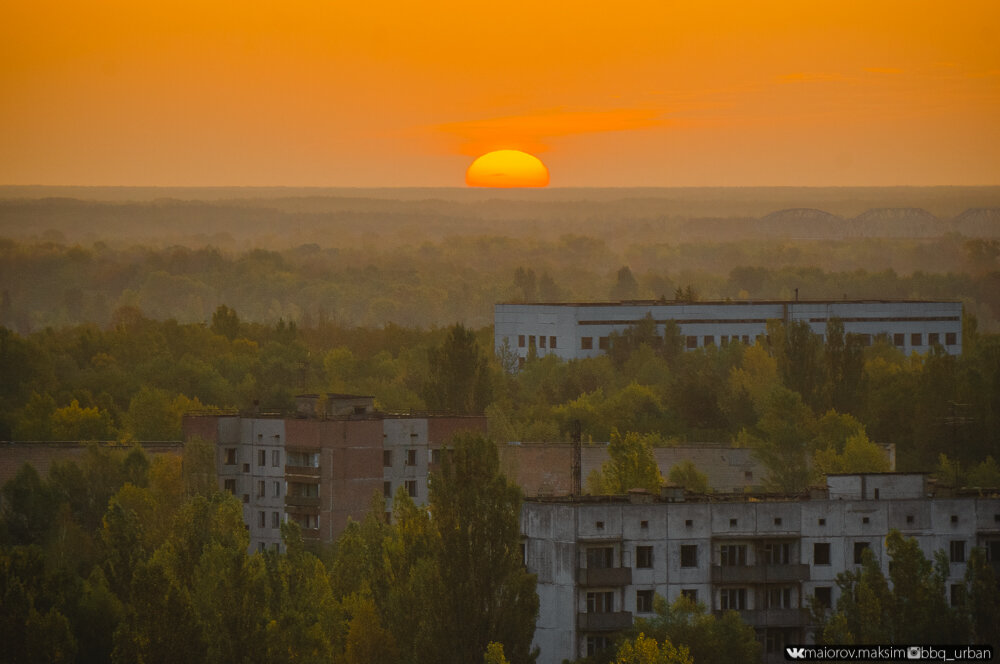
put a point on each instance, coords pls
(303, 472)
(590, 577)
(760, 574)
(302, 501)
(773, 617)
(613, 621)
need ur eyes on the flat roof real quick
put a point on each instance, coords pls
(667, 303)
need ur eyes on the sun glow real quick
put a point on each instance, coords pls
(507, 168)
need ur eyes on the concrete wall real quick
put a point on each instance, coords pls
(558, 532)
(524, 325)
(42, 455)
(543, 469)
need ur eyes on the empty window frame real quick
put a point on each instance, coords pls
(600, 557)
(586, 343)
(689, 555)
(733, 599)
(821, 553)
(600, 601)
(643, 557)
(733, 555)
(777, 553)
(643, 601)
(859, 551)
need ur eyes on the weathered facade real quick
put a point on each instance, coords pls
(322, 471)
(579, 330)
(600, 561)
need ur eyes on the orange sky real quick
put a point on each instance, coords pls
(635, 93)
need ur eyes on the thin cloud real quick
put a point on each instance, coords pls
(534, 131)
(883, 70)
(810, 77)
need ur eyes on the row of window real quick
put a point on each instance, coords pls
(410, 458)
(529, 341)
(735, 555)
(781, 597)
(691, 341)
(232, 457)
(411, 489)
(275, 519)
(821, 521)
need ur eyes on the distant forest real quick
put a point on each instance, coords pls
(428, 258)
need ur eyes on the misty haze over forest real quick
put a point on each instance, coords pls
(431, 257)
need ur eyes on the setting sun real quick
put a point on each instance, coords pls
(507, 168)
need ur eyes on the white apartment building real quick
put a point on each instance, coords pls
(600, 560)
(579, 330)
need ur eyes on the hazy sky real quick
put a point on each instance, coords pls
(633, 93)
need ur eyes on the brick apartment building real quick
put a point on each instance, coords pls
(324, 465)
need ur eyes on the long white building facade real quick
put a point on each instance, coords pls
(600, 561)
(579, 330)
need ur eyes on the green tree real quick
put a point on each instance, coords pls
(982, 599)
(844, 362)
(368, 641)
(908, 607)
(494, 654)
(710, 639)
(459, 379)
(28, 510)
(226, 322)
(782, 440)
(73, 423)
(646, 650)
(799, 354)
(485, 594)
(198, 467)
(687, 475)
(626, 287)
(985, 475)
(631, 465)
(34, 420)
(151, 416)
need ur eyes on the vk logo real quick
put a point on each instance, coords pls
(796, 653)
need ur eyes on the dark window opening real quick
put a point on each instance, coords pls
(601, 557)
(644, 601)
